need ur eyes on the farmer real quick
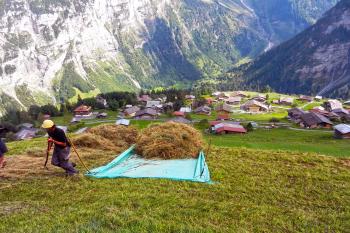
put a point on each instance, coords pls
(3, 150)
(60, 156)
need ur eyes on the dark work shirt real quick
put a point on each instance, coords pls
(59, 135)
(3, 148)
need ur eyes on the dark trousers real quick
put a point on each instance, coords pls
(60, 158)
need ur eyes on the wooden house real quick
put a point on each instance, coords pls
(254, 106)
(295, 113)
(146, 114)
(130, 112)
(234, 100)
(330, 105)
(286, 100)
(228, 128)
(82, 110)
(342, 131)
(305, 98)
(203, 110)
(260, 98)
(315, 120)
(224, 109)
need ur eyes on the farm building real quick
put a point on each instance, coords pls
(254, 106)
(295, 113)
(234, 100)
(186, 109)
(286, 100)
(154, 104)
(83, 110)
(228, 128)
(260, 98)
(146, 114)
(180, 120)
(179, 114)
(342, 113)
(305, 98)
(224, 108)
(26, 133)
(204, 110)
(238, 94)
(315, 120)
(330, 105)
(124, 122)
(330, 115)
(342, 131)
(130, 112)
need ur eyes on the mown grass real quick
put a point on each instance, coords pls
(254, 191)
(280, 115)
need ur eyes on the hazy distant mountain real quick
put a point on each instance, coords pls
(47, 47)
(317, 61)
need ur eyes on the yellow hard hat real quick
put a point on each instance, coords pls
(47, 124)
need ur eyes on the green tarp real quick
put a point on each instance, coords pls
(130, 165)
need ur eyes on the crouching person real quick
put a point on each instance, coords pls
(60, 156)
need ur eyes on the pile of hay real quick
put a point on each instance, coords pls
(107, 137)
(169, 140)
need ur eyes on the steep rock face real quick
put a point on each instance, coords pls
(317, 61)
(50, 47)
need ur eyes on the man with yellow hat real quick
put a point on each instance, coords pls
(60, 156)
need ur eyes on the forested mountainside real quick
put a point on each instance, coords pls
(50, 47)
(316, 61)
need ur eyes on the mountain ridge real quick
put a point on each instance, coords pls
(50, 47)
(316, 61)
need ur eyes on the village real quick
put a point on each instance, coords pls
(235, 112)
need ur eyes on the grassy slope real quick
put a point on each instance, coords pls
(286, 140)
(83, 95)
(255, 191)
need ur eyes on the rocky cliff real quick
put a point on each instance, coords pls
(51, 48)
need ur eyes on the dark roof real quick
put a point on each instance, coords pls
(296, 111)
(203, 109)
(180, 120)
(82, 108)
(312, 118)
(342, 128)
(224, 107)
(131, 110)
(341, 111)
(147, 111)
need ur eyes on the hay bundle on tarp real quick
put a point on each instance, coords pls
(169, 140)
(107, 137)
(115, 133)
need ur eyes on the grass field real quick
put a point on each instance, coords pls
(277, 180)
(254, 191)
(287, 140)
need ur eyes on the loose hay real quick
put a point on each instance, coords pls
(26, 166)
(107, 137)
(169, 140)
(115, 133)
